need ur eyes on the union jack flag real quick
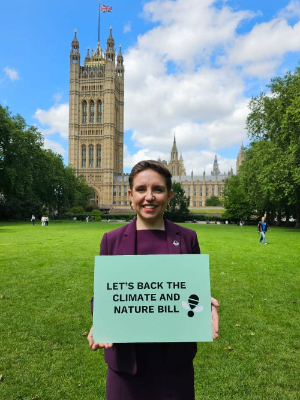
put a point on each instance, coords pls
(105, 9)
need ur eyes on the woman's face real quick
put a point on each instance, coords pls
(149, 196)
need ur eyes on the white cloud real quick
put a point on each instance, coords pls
(292, 10)
(263, 49)
(57, 97)
(189, 74)
(127, 28)
(11, 73)
(54, 120)
(54, 146)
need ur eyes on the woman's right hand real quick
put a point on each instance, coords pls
(96, 346)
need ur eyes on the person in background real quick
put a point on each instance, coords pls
(33, 219)
(150, 371)
(262, 228)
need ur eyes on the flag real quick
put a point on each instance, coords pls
(105, 9)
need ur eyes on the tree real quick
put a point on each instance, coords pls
(236, 201)
(178, 206)
(274, 121)
(213, 201)
(33, 179)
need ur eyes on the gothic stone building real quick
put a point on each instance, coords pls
(96, 130)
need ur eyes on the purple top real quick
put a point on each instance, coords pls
(151, 242)
(151, 355)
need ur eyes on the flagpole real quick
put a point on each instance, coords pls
(99, 24)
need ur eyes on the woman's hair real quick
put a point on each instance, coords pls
(155, 166)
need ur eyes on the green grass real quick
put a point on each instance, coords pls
(46, 282)
(207, 211)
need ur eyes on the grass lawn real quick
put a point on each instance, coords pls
(207, 211)
(46, 283)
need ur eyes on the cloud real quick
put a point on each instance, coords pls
(190, 73)
(54, 120)
(57, 97)
(54, 146)
(11, 73)
(127, 27)
(262, 50)
(292, 10)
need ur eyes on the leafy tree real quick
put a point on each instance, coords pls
(213, 201)
(274, 120)
(179, 203)
(235, 199)
(33, 179)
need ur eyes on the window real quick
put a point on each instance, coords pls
(212, 191)
(200, 190)
(84, 112)
(125, 190)
(195, 192)
(99, 111)
(91, 155)
(189, 191)
(207, 190)
(83, 156)
(114, 192)
(92, 114)
(98, 155)
(120, 190)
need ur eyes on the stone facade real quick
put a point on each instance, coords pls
(240, 158)
(96, 130)
(96, 120)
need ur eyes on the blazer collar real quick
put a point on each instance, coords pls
(129, 238)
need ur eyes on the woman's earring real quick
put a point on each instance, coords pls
(131, 206)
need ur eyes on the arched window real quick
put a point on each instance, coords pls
(84, 112)
(99, 111)
(92, 108)
(91, 155)
(98, 155)
(83, 156)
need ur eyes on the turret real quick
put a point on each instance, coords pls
(120, 67)
(174, 152)
(75, 55)
(110, 49)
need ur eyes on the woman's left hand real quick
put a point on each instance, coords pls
(215, 317)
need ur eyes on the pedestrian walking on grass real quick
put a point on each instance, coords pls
(262, 228)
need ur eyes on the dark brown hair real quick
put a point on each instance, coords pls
(155, 166)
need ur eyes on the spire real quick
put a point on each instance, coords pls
(110, 41)
(120, 58)
(87, 57)
(74, 55)
(110, 49)
(75, 43)
(215, 170)
(174, 148)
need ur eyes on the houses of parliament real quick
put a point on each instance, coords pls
(96, 132)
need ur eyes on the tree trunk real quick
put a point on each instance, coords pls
(279, 222)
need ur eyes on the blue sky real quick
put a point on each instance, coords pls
(191, 67)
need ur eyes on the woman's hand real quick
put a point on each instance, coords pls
(215, 317)
(96, 346)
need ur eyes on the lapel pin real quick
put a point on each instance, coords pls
(175, 243)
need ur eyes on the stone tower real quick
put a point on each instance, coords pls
(240, 158)
(96, 118)
(215, 170)
(176, 166)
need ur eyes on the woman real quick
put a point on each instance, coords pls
(150, 371)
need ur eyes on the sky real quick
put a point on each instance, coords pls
(191, 68)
